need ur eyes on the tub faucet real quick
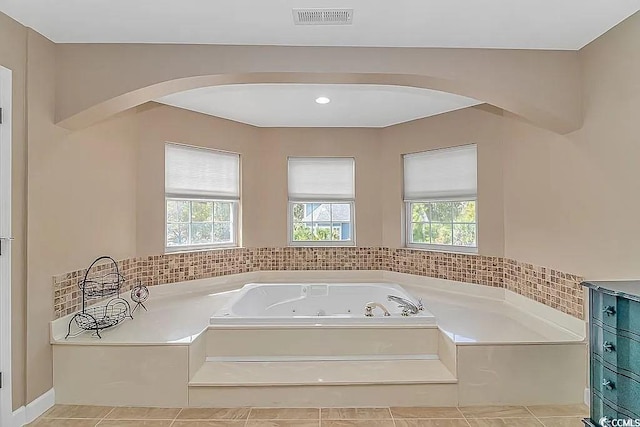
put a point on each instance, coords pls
(407, 306)
(368, 309)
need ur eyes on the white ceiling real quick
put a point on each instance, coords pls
(293, 105)
(518, 24)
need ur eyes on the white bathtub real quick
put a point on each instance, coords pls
(317, 303)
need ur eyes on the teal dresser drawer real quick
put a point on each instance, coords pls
(628, 353)
(620, 390)
(604, 344)
(628, 313)
(604, 308)
(618, 352)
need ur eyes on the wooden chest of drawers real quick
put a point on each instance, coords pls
(614, 332)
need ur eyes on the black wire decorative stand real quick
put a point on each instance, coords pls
(101, 283)
(139, 295)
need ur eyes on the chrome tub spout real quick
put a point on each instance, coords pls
(407, 306)
(368, 309)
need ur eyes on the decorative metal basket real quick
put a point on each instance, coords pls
(101, 280)
(102, 286)
(103, 316)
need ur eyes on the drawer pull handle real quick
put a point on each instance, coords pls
(608, 384)
(609, 310)
(608, 347)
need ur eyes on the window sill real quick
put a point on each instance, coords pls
(188, 249)
(322, 245)
(444, 249)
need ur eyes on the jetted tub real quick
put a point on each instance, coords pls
(317, 303)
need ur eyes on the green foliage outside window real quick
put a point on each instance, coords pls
(314, 222)
(444, 223)
(198, 222)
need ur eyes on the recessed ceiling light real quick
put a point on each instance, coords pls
(323, 100)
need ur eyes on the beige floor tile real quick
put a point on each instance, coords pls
(355, 414)
(426, 413)
(559, 410)
(60, 422)
(562, 422)
(77, 411)
(143, 413)
(209, 423)
(495, 412)
(135, 423)
(213, 414)
(357, 423)
(504, 422)
(283, 423)
(284, 414)
(433, 422)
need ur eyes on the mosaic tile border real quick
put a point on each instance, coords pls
(556, 289)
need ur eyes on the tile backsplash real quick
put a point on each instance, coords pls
(556, 289)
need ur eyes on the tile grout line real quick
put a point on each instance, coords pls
(393, 420)
(105, 416)
(464, 417)
(534, 415)
(176, 417)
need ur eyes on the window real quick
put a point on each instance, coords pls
(202, 191)
(440, 192)
(321, 201)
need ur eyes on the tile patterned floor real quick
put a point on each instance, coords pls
(475, 416)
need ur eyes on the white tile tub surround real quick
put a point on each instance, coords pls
(482, 314)
(473, 313)
(117, 375)
(279, 342)
(484, 337)
(519, 374)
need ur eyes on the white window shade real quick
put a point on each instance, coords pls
(199, 172)
(321, 178)
(448, 173)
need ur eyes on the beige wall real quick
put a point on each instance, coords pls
(542, 86)
(67, 221)
(167, 124)
(571, 201)
(264, 172)
(264, 152)
(81, 198)
(362, 144)
(479, 126)
(13, 55)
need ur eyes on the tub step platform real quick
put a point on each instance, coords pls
(322, 373)
(300, 383)
(274, 341)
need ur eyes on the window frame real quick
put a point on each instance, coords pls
(235, 207)
(325, 243)
(438, 247)
(235, 200)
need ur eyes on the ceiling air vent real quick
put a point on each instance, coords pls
(323, 16)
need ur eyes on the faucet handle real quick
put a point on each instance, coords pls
(420, 306)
